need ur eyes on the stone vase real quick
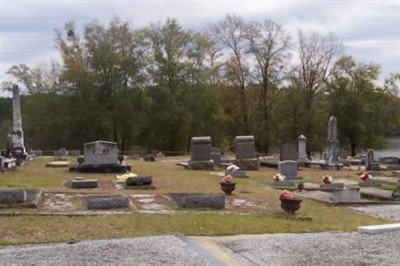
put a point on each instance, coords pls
(290, 205)
(228, 187)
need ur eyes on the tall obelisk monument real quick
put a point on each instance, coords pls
(17, 135)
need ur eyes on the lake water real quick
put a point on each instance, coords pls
(392, 148)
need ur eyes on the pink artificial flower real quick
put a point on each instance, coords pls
(286, 194)
(227, 179)
(327, 179)
(365, 176)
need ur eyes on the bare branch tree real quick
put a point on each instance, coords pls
(230, 36)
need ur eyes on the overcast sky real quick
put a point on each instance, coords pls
(369, 30)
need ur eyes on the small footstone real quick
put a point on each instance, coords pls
(139, 180)
(85, 183)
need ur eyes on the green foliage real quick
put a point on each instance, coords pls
(358, 105)
(5, 120)
(157, 86)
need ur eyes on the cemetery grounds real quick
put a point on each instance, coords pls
(254, 207)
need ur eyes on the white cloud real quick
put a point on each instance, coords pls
(370, 30)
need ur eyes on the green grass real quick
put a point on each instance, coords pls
(167, 178)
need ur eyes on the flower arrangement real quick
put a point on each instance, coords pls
(365, 176)
(327, 179)
(122, 178)
(279, 177)
(232, 168)
(227, 179)
(286, 194)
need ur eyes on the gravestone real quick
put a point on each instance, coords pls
(332, 160)
(100, 152)
(246, 157)
(389, 160)
(17, 135)
(370, 163)
(302, 152)
(139, 181)
(200, 154)
(288, 169)
(60, 154)
(84, 183)
(204, 201)
(75, 153)
(216, 154)
(105, 202)
(288, 151)
(12, 196)
(99, 157)
(37, 152)
(346, 195)
(9, 163)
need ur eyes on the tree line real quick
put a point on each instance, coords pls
(155, 87)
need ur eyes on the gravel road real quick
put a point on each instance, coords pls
(157, 250)
(317, 249)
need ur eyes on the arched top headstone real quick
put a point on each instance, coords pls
(248, 138)
(201, 140)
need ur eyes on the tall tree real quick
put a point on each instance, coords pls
(270, 45)
(357, 103)
(179, 102)
(315, 53)
(230, 36)
(103, 73)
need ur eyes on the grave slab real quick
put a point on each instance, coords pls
(32, 199)
(332, 186)
(346, 195)
(58, 164)
(104, 202)
(377, 229)
(204, 201)
(370, 183)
